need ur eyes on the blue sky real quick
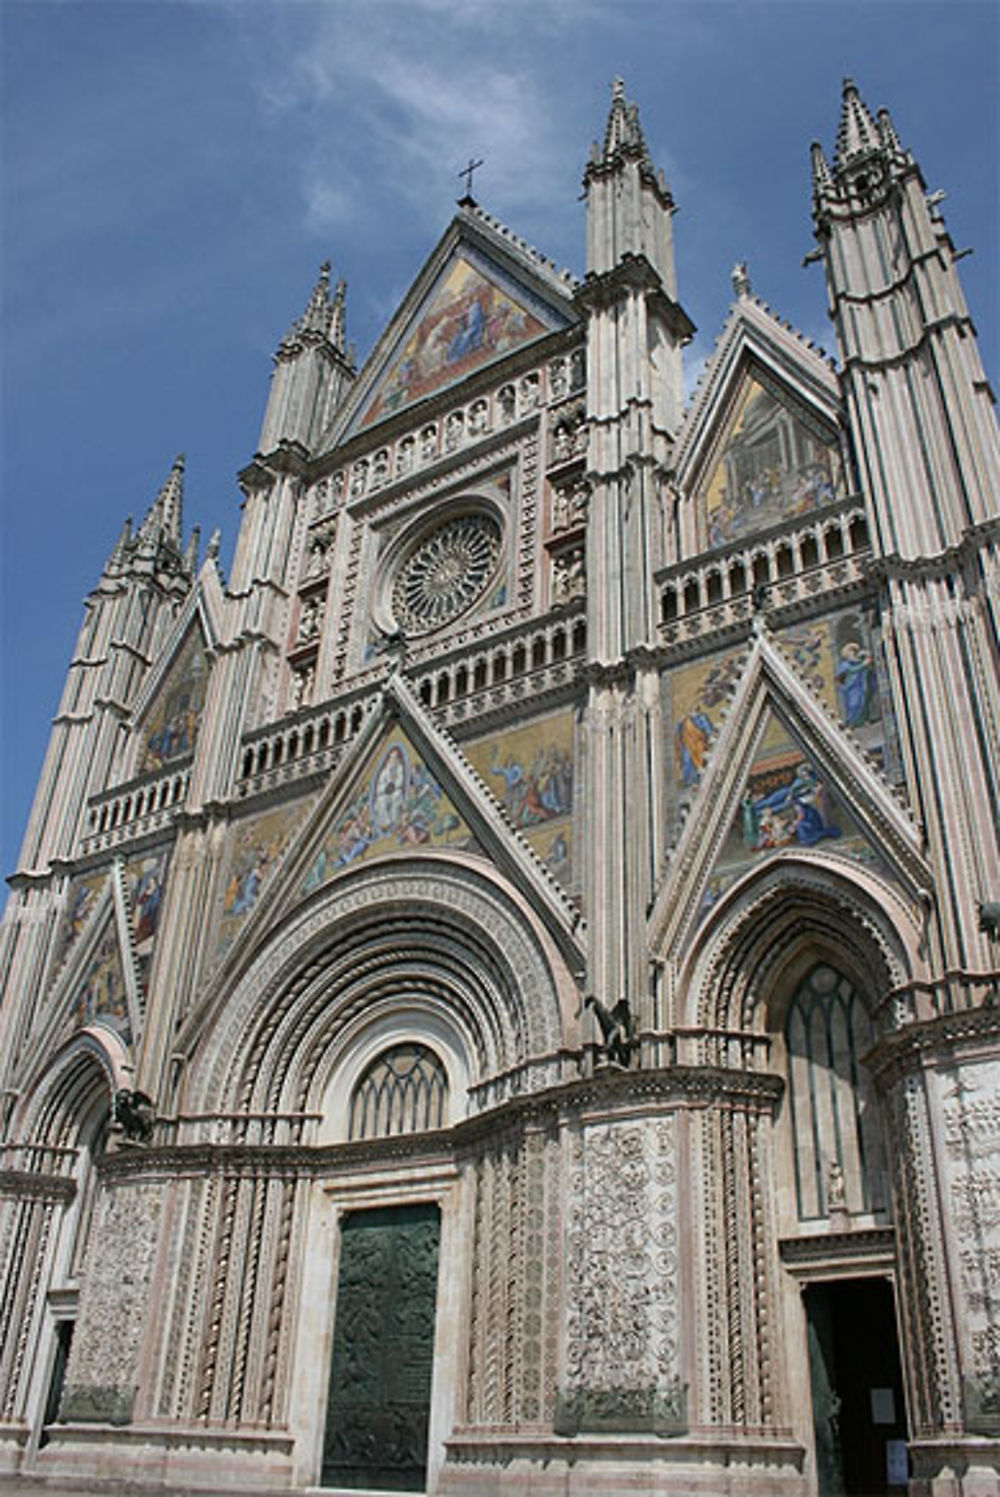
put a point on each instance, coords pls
(173, 173)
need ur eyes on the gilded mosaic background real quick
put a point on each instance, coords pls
(530, 771)
(171, 729)
(468, 321)
(774, 465)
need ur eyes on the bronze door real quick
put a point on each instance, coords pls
(383, 1349)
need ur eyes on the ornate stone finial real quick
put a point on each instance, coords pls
(741, 278)
(214, 544)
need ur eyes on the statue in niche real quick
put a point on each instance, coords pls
(321, 499)
(428, 443)
(562, 442)
(359, 477)
(529, 392)
(557, 379)
(836, 1190)
(618, 1039)
(568, 577)
(380, 468)
(507, 401)
(302, 685)
(453, 431)
(309, 622)
(404, 455)
(478, 418)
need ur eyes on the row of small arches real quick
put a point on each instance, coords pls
(718, 581)
(504, 664)
(145, 802)
(332, 729)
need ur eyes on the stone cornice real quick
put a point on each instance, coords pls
(906, 1050)
(22, 1184)
(634, 273)
(942, 563)
(608, 1094)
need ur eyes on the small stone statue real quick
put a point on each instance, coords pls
(617, 1029)
(836, 1194)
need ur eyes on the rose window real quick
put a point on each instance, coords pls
(446, 573)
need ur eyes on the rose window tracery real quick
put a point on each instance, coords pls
(446, 572)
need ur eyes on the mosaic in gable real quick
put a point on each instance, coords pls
(171, 729)
(774, 466)
(398, 806)
(468, 321)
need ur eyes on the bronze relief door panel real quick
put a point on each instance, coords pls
(383, 1349)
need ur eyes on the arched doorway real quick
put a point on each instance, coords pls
(796, 978)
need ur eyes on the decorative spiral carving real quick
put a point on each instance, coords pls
(446, 572)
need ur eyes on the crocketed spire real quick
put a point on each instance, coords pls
(165, 516)
(318, 312)
(857, 134)
(623, 135)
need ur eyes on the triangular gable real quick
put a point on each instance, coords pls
(480, 295)
(780, 774)
(99, 983)
(167, 712)
(403, 788)
(761, 443)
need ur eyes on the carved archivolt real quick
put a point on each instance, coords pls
(795, 908)
(407, 938)
(94, 1061)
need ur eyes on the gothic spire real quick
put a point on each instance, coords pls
(319, 312)
(623, 139)
(822, 181)
(166, 512)
(857, 134)
(119, 551)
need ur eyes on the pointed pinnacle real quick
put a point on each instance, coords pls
(887, 132)
(623, 129)
(857, 133)
(318, 312)
(165, 513)
(338, 321)
(117, 557)
(822, 181)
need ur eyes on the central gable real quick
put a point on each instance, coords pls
(482, 294)
(468, 319)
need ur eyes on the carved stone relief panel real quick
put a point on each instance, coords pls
(622, 1326)
(101, 1376)
(922, 1252)
(969, 1099)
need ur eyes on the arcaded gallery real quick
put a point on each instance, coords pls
(517, 1011)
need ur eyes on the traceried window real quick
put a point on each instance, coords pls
(404, 1090)
(446, 572)
(839, 1159)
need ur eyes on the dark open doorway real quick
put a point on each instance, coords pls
(857, 1389)
(383, 1347)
